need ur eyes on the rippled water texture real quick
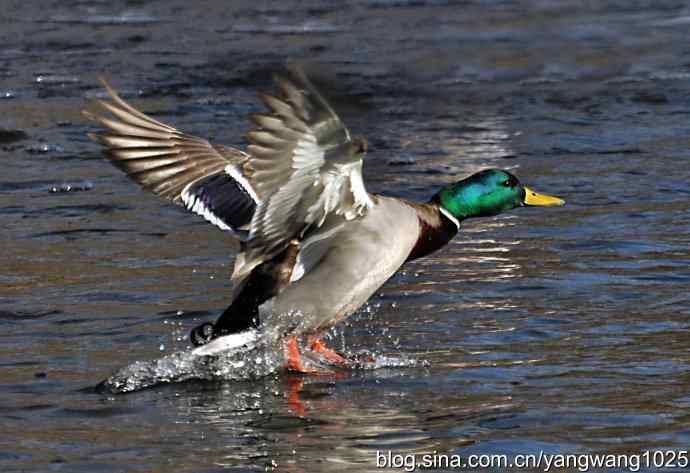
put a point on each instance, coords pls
(558, 330)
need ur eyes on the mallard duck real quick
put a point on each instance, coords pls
(315, 245)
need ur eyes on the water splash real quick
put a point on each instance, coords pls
(244, 363)
(368, 360)
(260, 358)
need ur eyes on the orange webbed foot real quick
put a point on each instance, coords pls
(294, 360)
(328, 354)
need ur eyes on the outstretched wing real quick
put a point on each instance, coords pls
(205, 178)
(304, 165)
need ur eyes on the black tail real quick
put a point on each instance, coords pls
(263, 283)
(243, 314)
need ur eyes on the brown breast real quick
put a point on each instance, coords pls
(436, 230)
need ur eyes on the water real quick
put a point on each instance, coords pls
(558, 330)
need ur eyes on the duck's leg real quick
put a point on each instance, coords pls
(329, 354)
(294, 359)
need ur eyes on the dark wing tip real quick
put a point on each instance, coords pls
(87, 113)
(111, 92)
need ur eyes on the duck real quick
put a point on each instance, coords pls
(315, 245)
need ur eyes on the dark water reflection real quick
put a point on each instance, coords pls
(564, 330)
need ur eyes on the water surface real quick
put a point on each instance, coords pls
(556, 330)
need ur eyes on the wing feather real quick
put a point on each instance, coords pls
(175, 165)
(149, 150)
(305, 166)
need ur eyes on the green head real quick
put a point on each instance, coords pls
(487, 193)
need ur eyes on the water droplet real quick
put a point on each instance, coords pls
(66, 187)
(41, 148)
(56, 79)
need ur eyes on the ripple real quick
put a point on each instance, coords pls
(309, 27)
(25, 315)
(12, 136)
(76, 233)
(127, 18)
(84, 209)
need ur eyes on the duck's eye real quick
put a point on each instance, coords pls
(507, 183)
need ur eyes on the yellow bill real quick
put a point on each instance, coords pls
(534, 198)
